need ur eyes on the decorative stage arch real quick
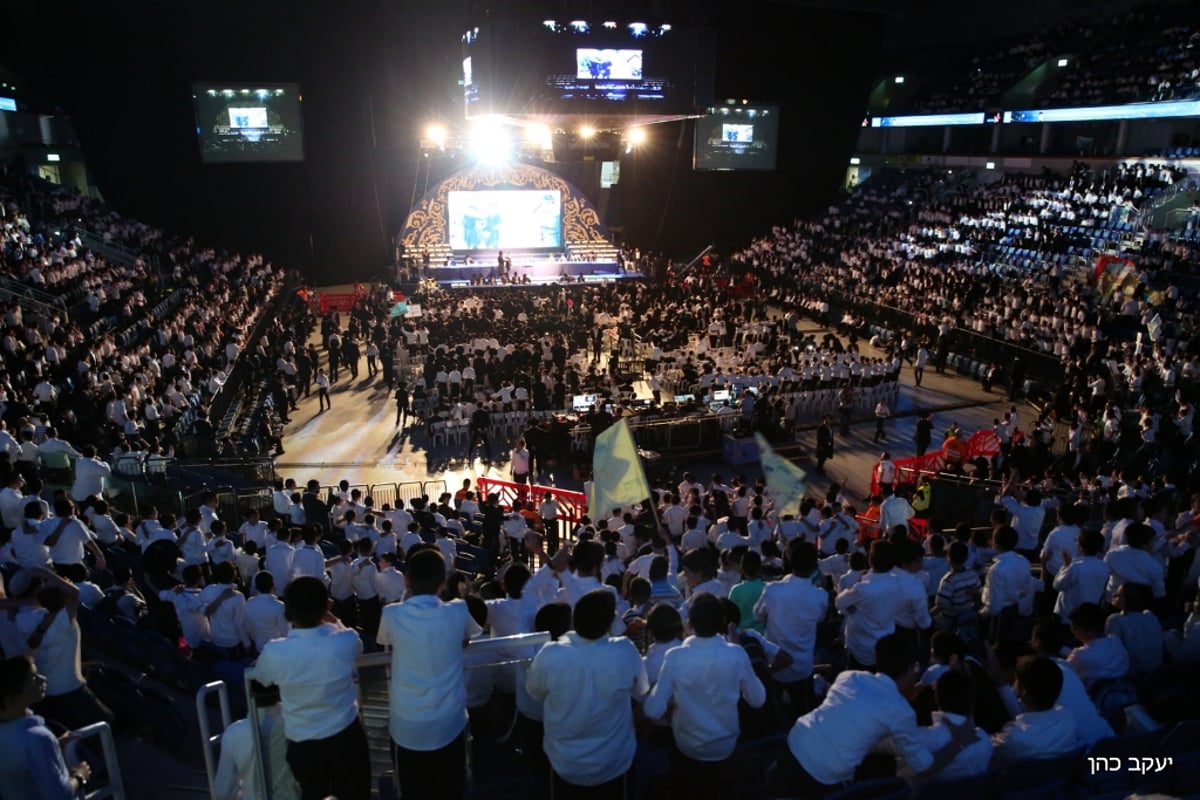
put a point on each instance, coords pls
(426, 226)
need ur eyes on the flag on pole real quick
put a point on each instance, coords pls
(617, 476)
(400, 309)
(1154, 327)
(785, 481)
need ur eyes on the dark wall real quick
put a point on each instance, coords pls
(372, 75)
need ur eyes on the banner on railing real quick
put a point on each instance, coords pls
(981, 443)
(572, 506)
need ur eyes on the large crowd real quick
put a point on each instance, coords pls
(1146, 54)
(686, 632)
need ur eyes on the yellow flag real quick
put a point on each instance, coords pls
(785, 481)
(617, 476)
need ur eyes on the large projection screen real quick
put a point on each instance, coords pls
(504, 219)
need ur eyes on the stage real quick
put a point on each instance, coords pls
(536, 272)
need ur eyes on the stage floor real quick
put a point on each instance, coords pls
(537, 272)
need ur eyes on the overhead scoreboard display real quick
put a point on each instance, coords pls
(737, 137)
(522, 68)
(247, 122)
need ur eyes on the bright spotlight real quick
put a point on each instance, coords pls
(664, 28)
(612, 26)
(550, 24)
(539, 135)
(490, 143)
(579, 26)
(899, 79)
(1062, 62)
(586, 131)
(636, 135)
(638, 29)
(436, 134)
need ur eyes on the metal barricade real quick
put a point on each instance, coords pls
(209, 740)
(115, 787)
(410, 490)
(434, 489)
(572, 505)
(383, 494)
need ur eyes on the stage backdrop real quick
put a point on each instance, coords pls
(471, 210)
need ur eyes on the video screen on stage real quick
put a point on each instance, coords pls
(579, 67)
(504, 219)
(623, 65)
(743, 137)
(248, 122)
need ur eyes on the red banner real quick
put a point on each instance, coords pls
(981, 443)
(572, 506)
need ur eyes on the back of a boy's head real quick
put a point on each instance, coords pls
(426, 571)
(554, 618)
(639, 590)
(594, 613)
(706, 615)
(305, 601)
(664, 622)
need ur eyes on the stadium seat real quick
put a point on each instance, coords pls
(882, 789)
(955, 789)
(1182, 745)
(1038, 779)
(1103, 782)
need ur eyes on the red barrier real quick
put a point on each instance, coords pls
(981, 443)
(572, 506)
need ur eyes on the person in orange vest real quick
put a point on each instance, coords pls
(955, 451)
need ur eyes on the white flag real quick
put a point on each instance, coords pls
(785, 481)
(618, 479)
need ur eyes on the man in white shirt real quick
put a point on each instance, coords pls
(585, 680)
(253, 529)
(1098, 657)
(1025, 505)
(314, 668)
(1007, 592)
(225, 608)
(793, 608)
(893, 511)
(1082, 579)
(12, 501)
(955, 696)
(704, 677)
(389, 581)
(1045, 729)
(90, 473)
(1134, 563)
(428, 695)
(67, 537)
(265, 618)
(860, 710)
(869, 607)
(236, 768)
(278, 559)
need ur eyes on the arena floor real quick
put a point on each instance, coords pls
(357, 438)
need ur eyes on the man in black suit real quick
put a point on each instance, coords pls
(824, 442)
(924, 433)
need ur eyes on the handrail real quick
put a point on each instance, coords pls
(383, 658)
(692, 263)
(33, 294)
(207, 739)
(115, 787)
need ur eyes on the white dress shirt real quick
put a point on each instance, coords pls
(314, 670)
(1084, 580)
(189, 610)
(1035, 734)
(585, 687)
(859, 711)
(972, 760)
(893, 511)
(912, 609)
(390, 584)
(308, 560)
(69, 548)
(428, 694)
(235, 769)
(89, 478)
(1131, 565)
(793, 608)
(1061, 539)
(1090, 727)
(1102, 658)
(870, 608)
(1008, 583)
(227, 624)
(1026, 520)
(705, 677)
(278, 562)
(265, 619)
(58, 657)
